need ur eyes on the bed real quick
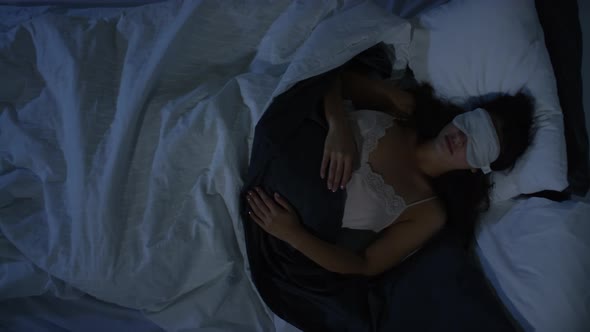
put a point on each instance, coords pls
(128, 219)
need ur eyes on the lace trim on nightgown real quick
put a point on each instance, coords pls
(393, 202)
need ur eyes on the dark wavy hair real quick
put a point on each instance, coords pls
(464, 193)
(514, 117)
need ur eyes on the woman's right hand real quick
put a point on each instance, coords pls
(340, 153)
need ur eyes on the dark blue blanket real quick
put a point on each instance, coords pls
(437, 289)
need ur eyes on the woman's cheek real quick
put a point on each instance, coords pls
(461, 156)
(464, 157)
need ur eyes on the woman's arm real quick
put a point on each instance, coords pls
(374, 94)
(396, 243)
(340, 150)
(279, 218)
(334, 104)
(365, 93)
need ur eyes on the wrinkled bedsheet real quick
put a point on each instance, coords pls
(125, 135)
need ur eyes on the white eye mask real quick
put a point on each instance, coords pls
(483, 145)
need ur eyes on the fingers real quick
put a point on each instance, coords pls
(325, 160)
(257, 205)
(257, 220)
(347, 173)
(332, 172)
(338, 172)
(266, 200)
(282, 202)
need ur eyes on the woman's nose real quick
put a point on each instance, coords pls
(459, 139)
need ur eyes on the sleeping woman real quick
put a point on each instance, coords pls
(407, 163)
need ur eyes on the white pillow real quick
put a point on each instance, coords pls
(469, 48)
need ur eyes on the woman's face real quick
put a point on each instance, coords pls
(451, 143)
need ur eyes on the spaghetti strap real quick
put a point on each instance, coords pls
(421, 201)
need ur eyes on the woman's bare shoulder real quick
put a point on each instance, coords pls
(432, 210)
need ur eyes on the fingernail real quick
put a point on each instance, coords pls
(342, 187)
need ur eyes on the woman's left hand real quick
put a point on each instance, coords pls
(277, 218)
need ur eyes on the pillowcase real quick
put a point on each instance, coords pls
(480, 47)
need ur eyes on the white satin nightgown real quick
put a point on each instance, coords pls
(371, 204)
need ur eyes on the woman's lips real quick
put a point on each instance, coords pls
(449, 145)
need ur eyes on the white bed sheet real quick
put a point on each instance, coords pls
(52, 314)
(124, 136)
(536, 253)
